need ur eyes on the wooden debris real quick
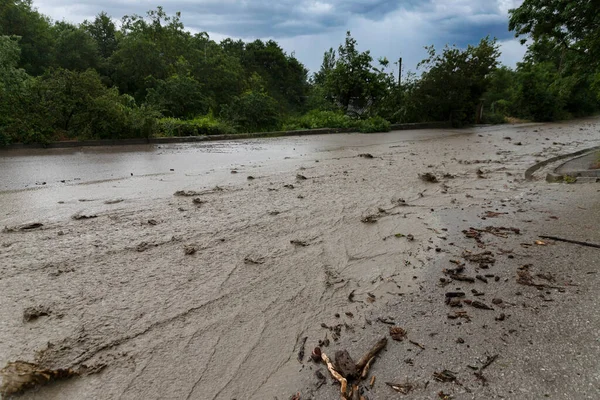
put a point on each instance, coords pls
(417, 344)
(486, 257)
(492, 214)
(365, 371)
(404, 388)
(301, 243)
(316, 354)
(397, 333)
(343, 382)
(463, 278)
(189, 250)
(372, 381)
(558, 239)
(19, 376)
(377, 347)
(445, 376)
(80, 216)
(459, 314)
(428, 177)
(33, 313)
(301, 351)
(23, 228)
(186, 193)
(478, 304)
(345, 365)
(455, 294)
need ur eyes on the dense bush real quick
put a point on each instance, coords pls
(374, 124)
(204, 125)
(336, 120)
(253, 111)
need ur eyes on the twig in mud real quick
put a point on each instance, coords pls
(301, 351)
(524, 277)
(299, 243)
(419, 345)
(445, 376)
(489, 361)
(343, 382)
(351, 296)
(365, 371)
(586, 244)
(385, 321)
(377, 347)
(23, 228)
(404, 388)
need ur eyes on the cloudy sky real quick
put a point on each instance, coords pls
(388, 28)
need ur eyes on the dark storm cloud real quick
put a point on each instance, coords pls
(309, 27)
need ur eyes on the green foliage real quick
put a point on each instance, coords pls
(253, 111)
(19, 18)
(455, 81)
(319, 119)
(104, 32)
(350, 80)
(178, 96)
(74, 48)
(151, 75)
(316, 119)
(571, 25)
(202, 125)
(374, 124)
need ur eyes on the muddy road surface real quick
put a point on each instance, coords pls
(211, 281)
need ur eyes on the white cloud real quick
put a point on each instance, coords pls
(512, 52)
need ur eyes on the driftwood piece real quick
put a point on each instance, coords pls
(335, 374)
(364, 360)
(597, 246)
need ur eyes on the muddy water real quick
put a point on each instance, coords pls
(37, 180)
(276, 257)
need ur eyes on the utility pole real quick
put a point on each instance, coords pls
(399, 70)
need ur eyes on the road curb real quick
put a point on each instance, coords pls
(531, 170)
(207, 138)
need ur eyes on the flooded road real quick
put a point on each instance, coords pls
(222, 294)
(41, 178)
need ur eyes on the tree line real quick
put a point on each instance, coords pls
(150, 76)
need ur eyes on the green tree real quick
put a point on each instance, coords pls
(104, 33)
(13, 83)
(454, 81)
(150, 47)
(254, 110)
(572, 25)
(180, 95)
(19, 18)
(350, 80)
(74, 49)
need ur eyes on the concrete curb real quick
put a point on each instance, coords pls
(531, 170)
(206, 138)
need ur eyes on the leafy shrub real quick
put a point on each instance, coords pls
(316, 119)
(253, 111)
(493, 118)
(374, 124)
(203, 125)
